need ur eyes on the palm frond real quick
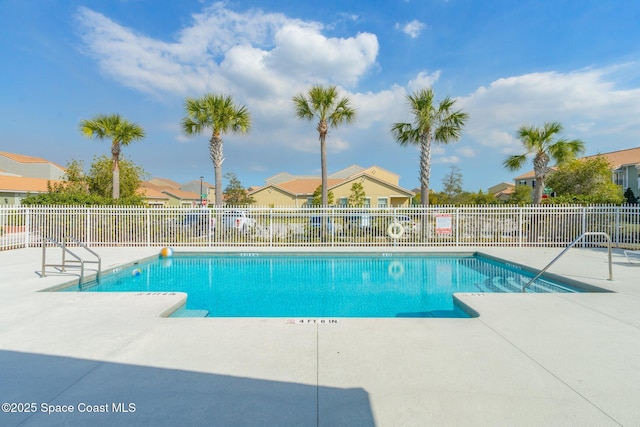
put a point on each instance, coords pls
(515, 162)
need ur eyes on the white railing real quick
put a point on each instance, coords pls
(504, 225)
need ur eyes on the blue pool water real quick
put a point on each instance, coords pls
(320, 285)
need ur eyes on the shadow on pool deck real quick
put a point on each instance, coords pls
(166, 396)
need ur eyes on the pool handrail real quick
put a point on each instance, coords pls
(86, 247)
(62, 266)
(65, 263)
(586, 233)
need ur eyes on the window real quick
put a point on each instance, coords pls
(343, 201)
(367, 202)
(383, 202)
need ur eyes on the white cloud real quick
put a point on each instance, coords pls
(446, 160)
(224, 50)
(423, 80)
(466, 152)
(412, 29)
(302, 51)
(586, 102)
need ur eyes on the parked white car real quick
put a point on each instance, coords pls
(238, 220)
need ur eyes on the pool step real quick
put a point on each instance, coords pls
(190, 313)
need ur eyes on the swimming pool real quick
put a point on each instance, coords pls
(320, 285)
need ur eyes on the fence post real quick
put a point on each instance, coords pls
(584, 224)
(520, 232)
(270, 227)
(27, 227)
(148, 225)
(616, 224)
(457, 208)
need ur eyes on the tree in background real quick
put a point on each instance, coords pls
(317, 197)
(357, 196)
(131, 175)
(234, 193)
(480, 198)
(218, 114)
(452, 186)
(521, 195)
(584, 181)
(93, 188)
(431, 123)
(74, 179)
(543, 145)
(120, 132)
(630, 197)
(322, 103)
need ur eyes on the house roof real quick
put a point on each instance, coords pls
(622, 157)
(354, 170)
(347, 172)
(196, 183)
(25, 185)
(163, 182)
(153, 190)
(307, 186)
(183, 195)
(152, 193)
(503, 187)
(342, 174)
(21, 158)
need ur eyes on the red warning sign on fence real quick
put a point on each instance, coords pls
(443, 224)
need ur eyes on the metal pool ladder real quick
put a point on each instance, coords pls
(586, 233)
(69, 263)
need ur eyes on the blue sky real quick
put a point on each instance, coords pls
(506, 63)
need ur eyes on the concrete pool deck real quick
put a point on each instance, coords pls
(527, 360)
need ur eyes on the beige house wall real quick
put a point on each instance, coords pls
(383, 175)
(156, 202)
(378, 184)
(273, 196)
(11, 198)
(374, 191)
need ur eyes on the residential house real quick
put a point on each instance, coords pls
(21, 175)
(502, 191)
(161, 192)
(381, 188)
(206, 190)
(625, 170)
(31, 167)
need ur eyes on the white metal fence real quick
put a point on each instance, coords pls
(285, 226)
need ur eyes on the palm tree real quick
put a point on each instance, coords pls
(120, 131)
(541, 143)
(430, 123)
(218, 114)
(323, 104)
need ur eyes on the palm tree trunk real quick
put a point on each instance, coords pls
(538, 191)
(540, 163)
(115, 191)
(425, 169)
(115, 155)
(323, 167)
(215, 152)
(322, 131)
